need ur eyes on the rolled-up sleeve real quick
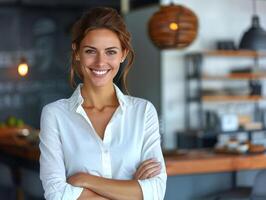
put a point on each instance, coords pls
(52, 168)
(153, 188)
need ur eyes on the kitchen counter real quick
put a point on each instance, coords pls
(181, 162)
(198, 161)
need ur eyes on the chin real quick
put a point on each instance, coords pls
(98, 83)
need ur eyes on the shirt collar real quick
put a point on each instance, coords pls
(76, 99)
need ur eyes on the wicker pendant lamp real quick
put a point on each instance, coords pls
(173, 26)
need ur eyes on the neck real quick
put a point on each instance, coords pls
(98, 97)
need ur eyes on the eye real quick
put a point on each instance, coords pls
(111, 52)
(90, 51)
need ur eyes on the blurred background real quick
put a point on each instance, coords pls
(193, 62)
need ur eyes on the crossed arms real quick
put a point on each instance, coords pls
(99, 188)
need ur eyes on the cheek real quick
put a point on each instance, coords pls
(116, 66)
(87, 60)
(116, 63)
(113, 62)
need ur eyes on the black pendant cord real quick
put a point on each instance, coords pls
(254, 7)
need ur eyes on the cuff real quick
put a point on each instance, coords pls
(72, 192)
(144, 184)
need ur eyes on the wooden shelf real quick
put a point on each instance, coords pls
(236, 76)
(232, 98)
(199, 94)
(236, 53)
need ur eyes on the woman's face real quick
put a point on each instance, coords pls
(100, 55)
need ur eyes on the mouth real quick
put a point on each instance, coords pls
(100, 72)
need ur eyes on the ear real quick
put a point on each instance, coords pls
(74, 49)
(125, 52)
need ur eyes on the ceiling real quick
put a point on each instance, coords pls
(68, 3)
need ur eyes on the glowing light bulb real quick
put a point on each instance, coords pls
(173, 26)
(23, 68)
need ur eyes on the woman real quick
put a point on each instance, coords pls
(100, 143)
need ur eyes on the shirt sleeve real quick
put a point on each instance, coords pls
(52, 168)
(153, 188)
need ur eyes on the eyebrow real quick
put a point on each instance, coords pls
(109, 48)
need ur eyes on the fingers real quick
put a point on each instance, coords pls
(152, 170)
(148, 169)
(146, 164)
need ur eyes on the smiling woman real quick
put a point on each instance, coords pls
(111, 22)
(100, 143)
(100, 55)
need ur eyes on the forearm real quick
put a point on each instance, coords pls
(88, 194)
(114, 189)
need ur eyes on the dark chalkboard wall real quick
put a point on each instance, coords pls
(43, 37)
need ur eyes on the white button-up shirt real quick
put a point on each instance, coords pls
(69, 144)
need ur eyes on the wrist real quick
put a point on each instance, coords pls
(87, 181)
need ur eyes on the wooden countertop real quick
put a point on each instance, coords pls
(181, 162)
(14, 142)
(206, 161)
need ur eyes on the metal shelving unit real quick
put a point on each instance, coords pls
(194, 72)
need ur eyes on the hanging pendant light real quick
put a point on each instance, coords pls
(173, 26)
(255, 37)
(23, 67)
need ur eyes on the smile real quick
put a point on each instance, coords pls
(100, 72)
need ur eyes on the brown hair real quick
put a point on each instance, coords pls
(95, 18)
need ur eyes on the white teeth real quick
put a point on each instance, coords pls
(100, 72)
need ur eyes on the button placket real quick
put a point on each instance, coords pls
(106, 163)
(106, 157)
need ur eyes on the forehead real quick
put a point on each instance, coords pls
(101, 38)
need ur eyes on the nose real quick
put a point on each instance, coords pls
(100, 59)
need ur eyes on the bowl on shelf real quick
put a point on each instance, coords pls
(236, 147)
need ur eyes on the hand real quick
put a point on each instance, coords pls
(148, 169)
(78, 180)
